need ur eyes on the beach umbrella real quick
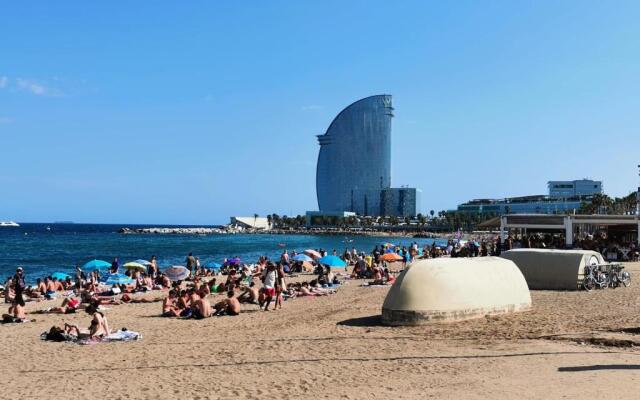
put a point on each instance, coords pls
(333, 261)
(214, 265)
(302, 257)
(307, 266)
(135, 266)
(96, 265)
(61, 276)
(116, 279)
(143, 262)
(233, 261)
(391, 257)
(312, 253)
(177, 273)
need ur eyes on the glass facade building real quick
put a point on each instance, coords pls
(577, 188)
(564, 197)
(354, 163)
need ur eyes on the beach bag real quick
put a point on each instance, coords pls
(58, 335)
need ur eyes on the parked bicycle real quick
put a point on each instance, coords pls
(594, 277)
(618, 276)
(600, 276)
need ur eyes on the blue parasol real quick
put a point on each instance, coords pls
(302, 257)
(116, 279)
(96, 265)
(61, 276)
(333, 261)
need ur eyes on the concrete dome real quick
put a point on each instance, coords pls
(452, 289)
(549, 269)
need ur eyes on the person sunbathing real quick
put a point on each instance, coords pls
(41, 287)
(204, 291)
(183, 300)
(229, 306)
(127, 298)
(166, 282)
(15, 313)
(249, 294)
(51, 288)
(169, 308)
(305, 291)
(98, 329)
(201, 309)
(69, 306)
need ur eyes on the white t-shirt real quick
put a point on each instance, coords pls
(269, 279)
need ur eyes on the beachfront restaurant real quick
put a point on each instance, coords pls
(622, 228)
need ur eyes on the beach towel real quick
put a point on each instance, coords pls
(123, 336)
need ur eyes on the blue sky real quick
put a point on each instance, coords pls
(188, 113)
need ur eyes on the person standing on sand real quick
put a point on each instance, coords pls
(191, 262)
(115, 265)
(153, 267)
(197, 265)
(269, 285)
(18, 287)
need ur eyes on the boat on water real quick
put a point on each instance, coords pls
(9, 223)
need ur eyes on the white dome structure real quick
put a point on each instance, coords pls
(453, 289)
(549, 269)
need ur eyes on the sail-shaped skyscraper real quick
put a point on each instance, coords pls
(354, 163)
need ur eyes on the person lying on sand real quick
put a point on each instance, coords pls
(69, 306)
(229, 306)
(98, 329)
(306, 291)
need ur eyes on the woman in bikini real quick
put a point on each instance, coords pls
(98, 329)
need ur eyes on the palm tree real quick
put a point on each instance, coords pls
(432, 213)
(255, 218)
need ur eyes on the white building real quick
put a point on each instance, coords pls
(251, 222)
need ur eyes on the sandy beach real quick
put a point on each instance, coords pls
(571, 345)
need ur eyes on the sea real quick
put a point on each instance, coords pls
(42, 249)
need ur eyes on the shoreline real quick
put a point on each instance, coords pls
(312, 231)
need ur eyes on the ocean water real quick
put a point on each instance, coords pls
(41, 251)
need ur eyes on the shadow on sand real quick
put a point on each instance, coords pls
(370, 321)
(583, 368)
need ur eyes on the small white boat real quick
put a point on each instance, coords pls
(8, 223)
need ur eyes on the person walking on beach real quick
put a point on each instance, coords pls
(191, 262)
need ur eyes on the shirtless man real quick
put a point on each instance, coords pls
(51, 286)
(169, 308)
(250, 294)
(229, 306)
(41, 287)
(58, 285)
(201, 308)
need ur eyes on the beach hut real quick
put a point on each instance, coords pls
(453, 289)
(547, 269)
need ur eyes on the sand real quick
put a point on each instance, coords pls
(571, 345)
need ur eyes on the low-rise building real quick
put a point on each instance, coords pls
(250, 223)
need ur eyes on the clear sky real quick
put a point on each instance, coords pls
(189, 112)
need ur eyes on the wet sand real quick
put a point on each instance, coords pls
(571, 345)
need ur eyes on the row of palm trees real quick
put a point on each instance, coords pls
(442, 220)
